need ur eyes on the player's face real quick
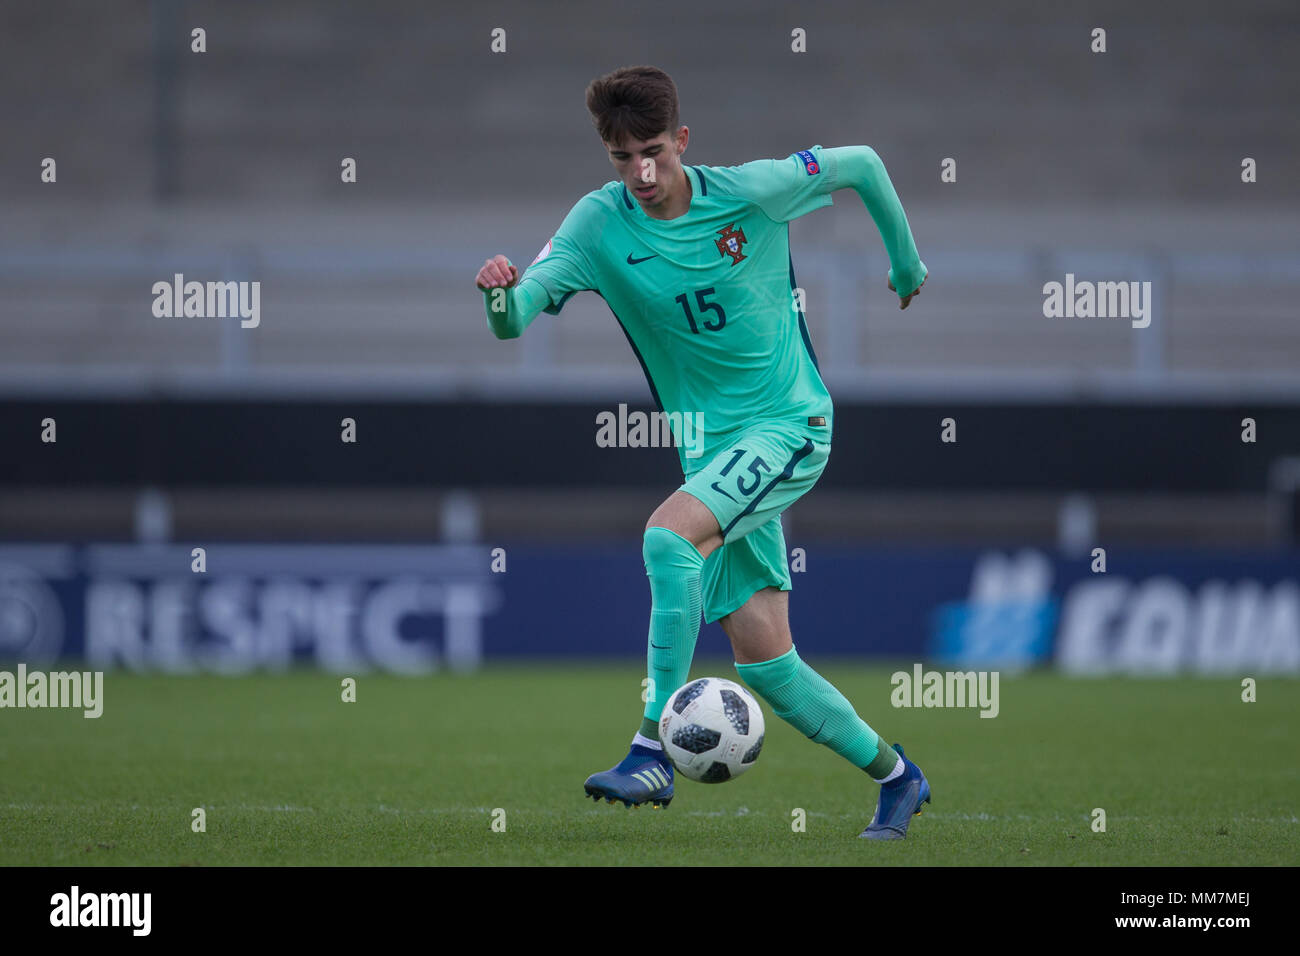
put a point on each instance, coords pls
(651, 169)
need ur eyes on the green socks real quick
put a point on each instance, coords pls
(806, 700)
(796, 692)
(673, 565)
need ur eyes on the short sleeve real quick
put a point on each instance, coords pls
(788, 188)
(562, 267)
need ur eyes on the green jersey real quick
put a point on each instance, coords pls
(707, 299)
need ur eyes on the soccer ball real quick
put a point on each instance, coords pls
(711, 729)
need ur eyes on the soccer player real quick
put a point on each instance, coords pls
(694, 262)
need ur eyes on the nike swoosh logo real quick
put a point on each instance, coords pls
(819, 730)
(632, 262)
(720, 491)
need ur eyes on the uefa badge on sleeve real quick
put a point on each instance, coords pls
(810, 164)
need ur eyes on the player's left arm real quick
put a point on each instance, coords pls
(861, 169)
(802, 183)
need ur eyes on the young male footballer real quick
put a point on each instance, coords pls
(694, 262)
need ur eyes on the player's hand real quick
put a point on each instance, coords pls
(497, 272)
(902, 302)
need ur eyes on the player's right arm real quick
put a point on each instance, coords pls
(559, 270)
(510, 307)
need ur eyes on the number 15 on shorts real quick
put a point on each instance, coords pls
(742, 483)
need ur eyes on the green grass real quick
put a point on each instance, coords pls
(411, 773)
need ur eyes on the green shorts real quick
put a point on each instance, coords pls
(759, 472)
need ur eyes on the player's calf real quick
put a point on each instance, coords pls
(807, 701)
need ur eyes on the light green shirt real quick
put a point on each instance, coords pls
(706, 299)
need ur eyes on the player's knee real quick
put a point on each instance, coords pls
(665, 550)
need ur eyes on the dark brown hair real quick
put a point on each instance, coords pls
(639, 102)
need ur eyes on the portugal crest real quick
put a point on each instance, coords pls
(729, 242)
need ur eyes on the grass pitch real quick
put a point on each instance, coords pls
(416, 771)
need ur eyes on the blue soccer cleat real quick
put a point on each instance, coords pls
(643, 776)
(900, 800)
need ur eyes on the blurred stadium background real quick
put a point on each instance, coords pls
(1072, 433)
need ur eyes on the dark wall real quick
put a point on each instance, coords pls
(1186, 448)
